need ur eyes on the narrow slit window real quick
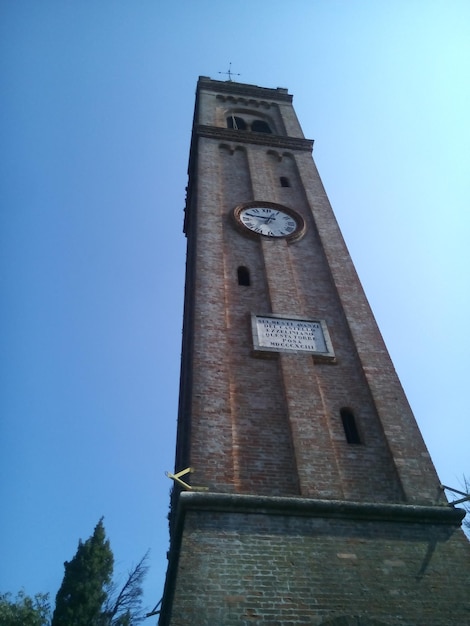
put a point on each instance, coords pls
(284, 181)
(350, 426)
(243, 276)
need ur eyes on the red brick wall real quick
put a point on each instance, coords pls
(261, 568)
(258, 425)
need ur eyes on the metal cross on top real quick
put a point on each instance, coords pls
(230, 73)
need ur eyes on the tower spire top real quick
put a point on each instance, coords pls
(230, 73)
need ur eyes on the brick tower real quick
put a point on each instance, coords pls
(311, 498)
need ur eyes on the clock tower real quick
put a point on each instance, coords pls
(304, 493)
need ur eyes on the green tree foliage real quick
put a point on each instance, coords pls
(87, 576)
(24, 610)
(88, 596)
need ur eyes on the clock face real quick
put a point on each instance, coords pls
(269, 221)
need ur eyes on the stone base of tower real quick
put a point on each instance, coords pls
(238, 560)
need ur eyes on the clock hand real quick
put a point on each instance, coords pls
(263, 217)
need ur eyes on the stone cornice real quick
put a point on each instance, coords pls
(305, 507)
(233, 88)
(263, 139)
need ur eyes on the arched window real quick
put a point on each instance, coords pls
(350, 426)
(237, 123)
(284, 181)
(260, 126)
(243, 276)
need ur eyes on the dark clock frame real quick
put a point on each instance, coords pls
(294, 236)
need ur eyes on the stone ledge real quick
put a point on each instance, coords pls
(304, 507)
(263, 139)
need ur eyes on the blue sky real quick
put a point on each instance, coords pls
(95, 121)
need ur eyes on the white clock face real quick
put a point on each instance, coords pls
(268, 221)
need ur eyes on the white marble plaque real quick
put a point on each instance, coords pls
(280, 334)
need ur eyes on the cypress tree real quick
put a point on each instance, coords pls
(82, 594)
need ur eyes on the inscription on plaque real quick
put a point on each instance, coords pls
(280, 334)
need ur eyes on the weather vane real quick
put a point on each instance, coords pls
(230, 73)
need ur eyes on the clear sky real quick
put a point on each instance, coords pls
(96, 112)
